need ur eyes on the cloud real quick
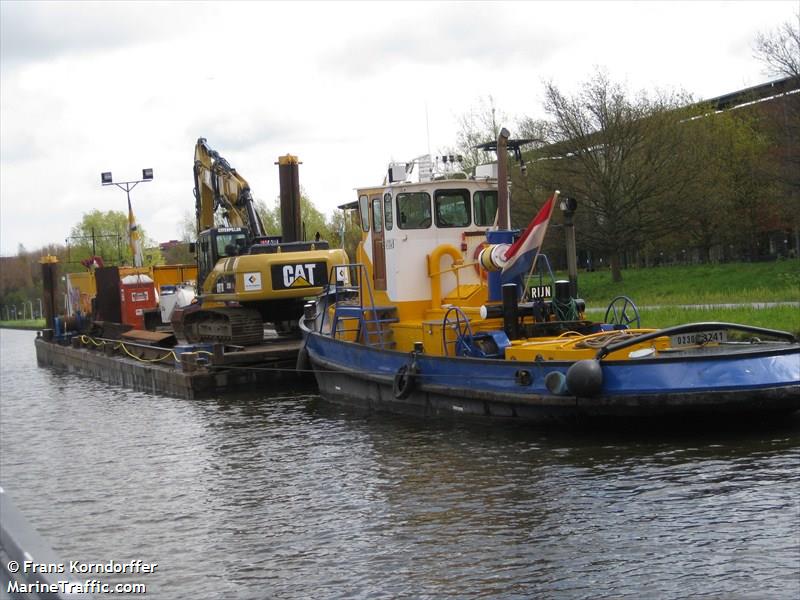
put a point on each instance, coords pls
(346, 86)
(31, 31)
(243, 131)
(484, 34)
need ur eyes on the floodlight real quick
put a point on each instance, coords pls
(568, 204)
(105, 178)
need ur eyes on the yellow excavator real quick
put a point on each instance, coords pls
(245, 277)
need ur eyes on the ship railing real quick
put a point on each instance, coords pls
(435, 272)
(355, 314)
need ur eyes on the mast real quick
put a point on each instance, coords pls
(503, 208)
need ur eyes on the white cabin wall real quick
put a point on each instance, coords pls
(407, 250)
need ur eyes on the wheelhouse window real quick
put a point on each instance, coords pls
(414, 210)
(377, 219)
(387, 211)
(363, 212)
(452, 208)
(485, 207)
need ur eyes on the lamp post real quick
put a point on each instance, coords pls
(568, 206)
(133, 235)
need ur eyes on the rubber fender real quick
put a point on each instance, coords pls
(556, 383)
(585, 378)
(404, 381)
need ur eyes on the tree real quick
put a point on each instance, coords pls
(624, 158)
(732, 197)
(347, 222)
(779, 49)
(105, 234)
(188, 227)
(782, 122)
(312, 220)
(178, 254)
(481, 124)
(270, 217)
(21, 277)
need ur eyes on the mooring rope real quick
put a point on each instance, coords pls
(85, 339)
(605, 338)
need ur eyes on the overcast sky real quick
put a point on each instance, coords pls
(114, 86)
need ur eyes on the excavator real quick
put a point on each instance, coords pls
(245, 277)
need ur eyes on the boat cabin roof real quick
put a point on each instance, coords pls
(437, 204)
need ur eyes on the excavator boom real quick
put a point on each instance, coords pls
(218, 187)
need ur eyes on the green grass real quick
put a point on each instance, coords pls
(733, 283)
(23, 324)
(785, 318)
(668, 287)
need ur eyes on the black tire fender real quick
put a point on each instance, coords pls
(404, 381)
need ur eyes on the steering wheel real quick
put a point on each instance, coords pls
(462, 328)
(622, 311)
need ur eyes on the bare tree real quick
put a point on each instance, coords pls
(624, 158)
(481, 124)
(779, 49)
(188, 226)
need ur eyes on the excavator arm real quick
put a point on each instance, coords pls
(218, 187)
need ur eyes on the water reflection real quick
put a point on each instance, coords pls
(278, 494)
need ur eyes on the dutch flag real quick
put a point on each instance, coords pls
(522, 253)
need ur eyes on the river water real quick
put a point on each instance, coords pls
(276, 494)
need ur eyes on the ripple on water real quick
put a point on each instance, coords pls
(283, 496)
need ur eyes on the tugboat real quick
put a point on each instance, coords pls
(440, 315)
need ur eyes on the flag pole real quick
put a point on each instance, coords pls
(536, 257)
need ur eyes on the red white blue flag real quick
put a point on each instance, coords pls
(521, 254)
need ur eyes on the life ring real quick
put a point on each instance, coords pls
(482, 274)
(404, 381)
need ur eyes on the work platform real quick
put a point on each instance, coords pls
(177, 372)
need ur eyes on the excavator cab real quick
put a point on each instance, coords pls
(217, 243)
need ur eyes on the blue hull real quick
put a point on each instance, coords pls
(736, 381)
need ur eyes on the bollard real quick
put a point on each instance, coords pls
(218, 351)
(510, 312)
(189, 362)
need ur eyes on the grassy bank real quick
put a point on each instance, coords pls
(23, 324)
(785, 318)
(697, 284)
(668, 287)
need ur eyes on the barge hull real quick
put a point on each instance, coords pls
(167, 379)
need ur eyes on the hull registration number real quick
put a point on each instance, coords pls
(699, 338)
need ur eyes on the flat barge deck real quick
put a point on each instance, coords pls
(182, 374)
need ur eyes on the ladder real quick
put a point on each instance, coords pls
(355, 315)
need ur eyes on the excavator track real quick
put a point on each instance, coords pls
(235, 326)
